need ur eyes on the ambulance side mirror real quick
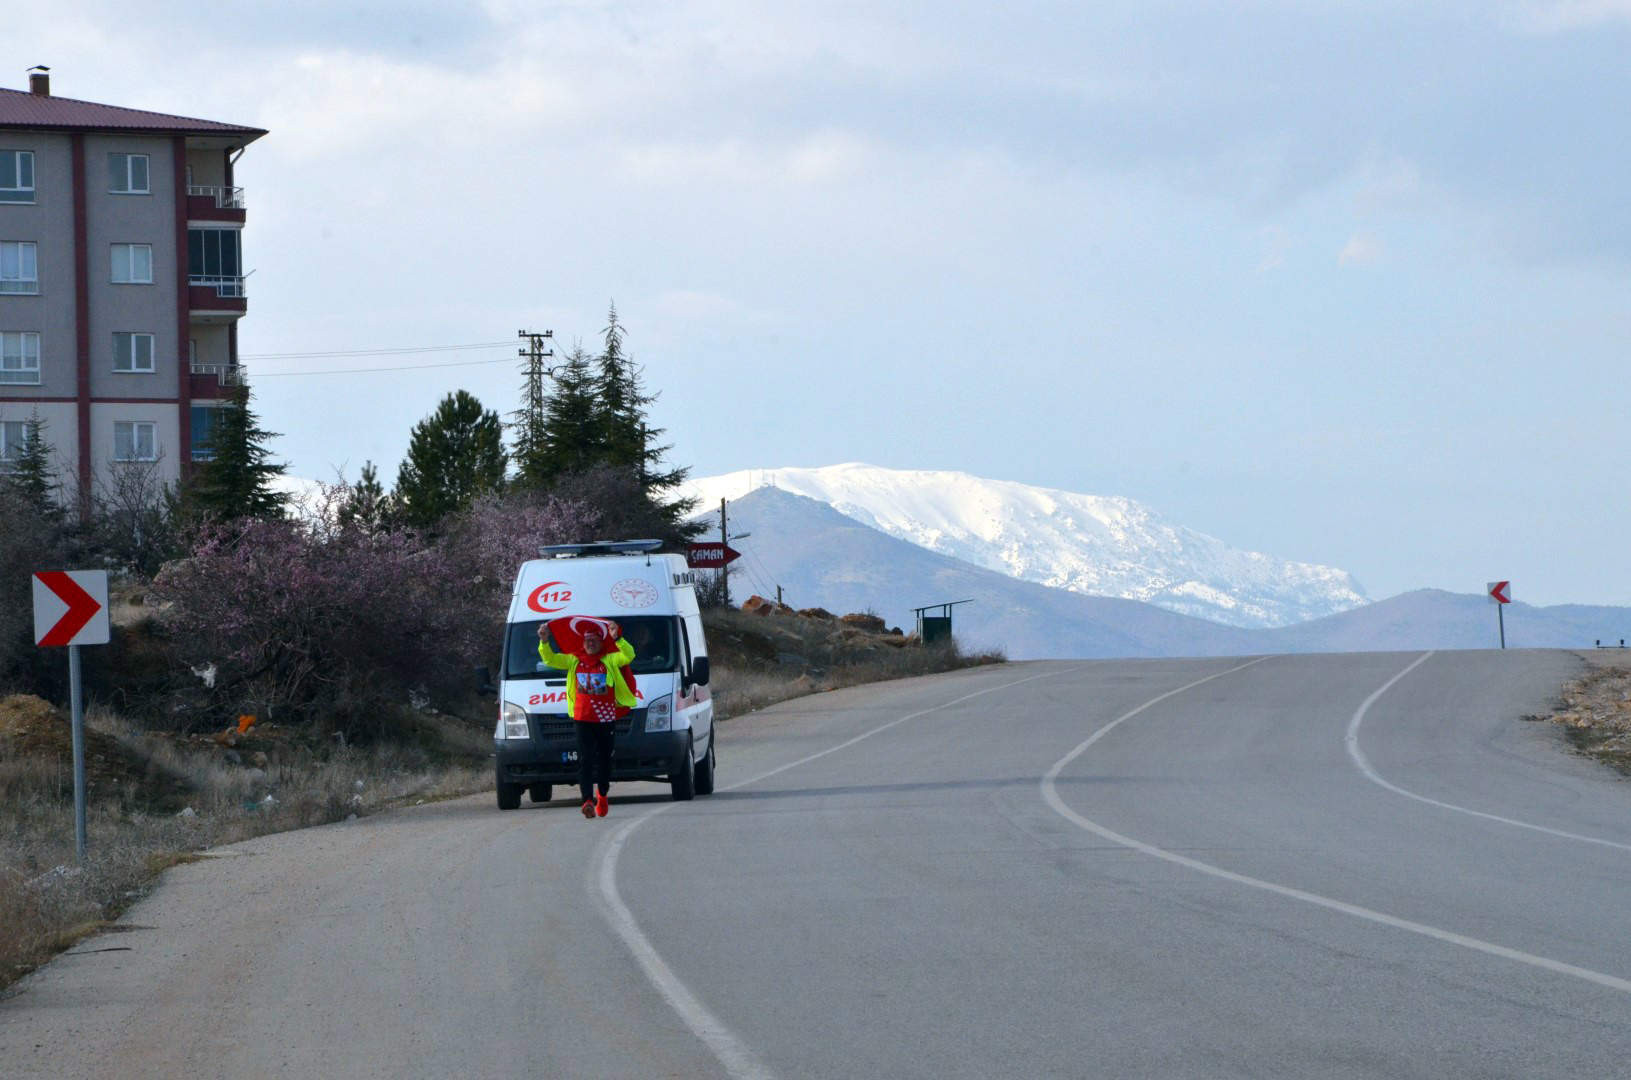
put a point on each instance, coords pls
(484, 682)
(699, 671)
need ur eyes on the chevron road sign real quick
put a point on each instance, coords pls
(71, 607)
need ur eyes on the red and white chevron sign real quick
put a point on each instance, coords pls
(71, 607)
(1500, 592)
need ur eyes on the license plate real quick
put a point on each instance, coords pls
(568, 756)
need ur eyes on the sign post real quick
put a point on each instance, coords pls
(1500, 594)
(71, 608)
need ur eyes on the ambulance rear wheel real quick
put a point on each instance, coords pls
(509, 796)
(539, 793)
(684, 782)
(705, 770)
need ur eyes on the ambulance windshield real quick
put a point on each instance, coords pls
(655, 639)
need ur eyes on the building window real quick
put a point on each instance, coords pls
(133, 264)
(19, 270)
(16, 176)
(206, 423)
(127, 174)
(20, 357)
(135, 440)
(132, 352)
(13, 434)
(214, 258)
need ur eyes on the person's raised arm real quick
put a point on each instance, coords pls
(546, 652)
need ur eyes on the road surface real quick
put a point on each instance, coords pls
(1309, 866)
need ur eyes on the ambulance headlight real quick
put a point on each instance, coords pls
(660, 716)
(512, 723)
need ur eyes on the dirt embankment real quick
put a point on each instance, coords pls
(1596, 708)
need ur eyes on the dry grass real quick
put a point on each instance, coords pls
(759, 660)
(1596, 709)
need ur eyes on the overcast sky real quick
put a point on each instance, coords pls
(1341, 281)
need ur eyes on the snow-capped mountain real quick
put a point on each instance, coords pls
(1091, 544)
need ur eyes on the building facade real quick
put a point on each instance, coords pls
(121, 283)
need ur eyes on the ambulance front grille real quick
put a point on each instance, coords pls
(557, 730)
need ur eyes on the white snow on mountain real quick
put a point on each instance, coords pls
(1092, 544)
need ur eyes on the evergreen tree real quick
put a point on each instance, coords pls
(569, 438)
(366, 504)
(236, 481)
(454, 455)
(34, 479)
(628, 442)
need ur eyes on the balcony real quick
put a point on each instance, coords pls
(209, 382)
(217, 295)
(207, 202)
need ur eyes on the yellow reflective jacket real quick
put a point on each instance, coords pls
(614, 661)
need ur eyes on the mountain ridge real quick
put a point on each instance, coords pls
(1088, 544)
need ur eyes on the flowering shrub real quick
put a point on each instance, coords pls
(333, 619)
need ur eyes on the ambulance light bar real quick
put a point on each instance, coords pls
(600, 547)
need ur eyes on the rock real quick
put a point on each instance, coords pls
(757, 605)
(234, 757)
(871, 623)
(188, 812)
(815, 613)
(259, 760)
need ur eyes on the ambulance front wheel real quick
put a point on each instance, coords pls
(705, 770)
(509, 796)
(684, 781)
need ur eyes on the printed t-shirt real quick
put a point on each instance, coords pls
(595, 702)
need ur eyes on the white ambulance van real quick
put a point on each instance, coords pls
(670, 734)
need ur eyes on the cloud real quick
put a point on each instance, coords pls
(1559, 16)
(1273, 244)
(1362, 249)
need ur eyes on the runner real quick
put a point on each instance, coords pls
(597, 694)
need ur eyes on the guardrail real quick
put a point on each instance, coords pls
(1600, 644)
(225, 286)
(226, 198)
(229, 374)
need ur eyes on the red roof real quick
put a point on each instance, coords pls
(21, 109)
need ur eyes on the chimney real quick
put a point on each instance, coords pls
(39, 80)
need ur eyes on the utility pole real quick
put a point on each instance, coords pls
(724, 571)
(530, 416)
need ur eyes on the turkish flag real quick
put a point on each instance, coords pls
(568, 631)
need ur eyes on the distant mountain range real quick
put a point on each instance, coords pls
(823, 558)
(1088, 544)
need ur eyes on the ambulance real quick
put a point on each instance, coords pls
(669, 735)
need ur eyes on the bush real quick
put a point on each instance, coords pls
(335, 620)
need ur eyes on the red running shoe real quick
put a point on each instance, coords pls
(600, 805)
(588, 808)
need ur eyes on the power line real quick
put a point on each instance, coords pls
(373, 352)
(357, 371)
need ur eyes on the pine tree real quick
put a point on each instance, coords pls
(34, 478)
(571, 438)
(629, 443)
(236, 481)
(454, 455)
(366, 504)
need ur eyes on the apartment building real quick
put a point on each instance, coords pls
(121, 282)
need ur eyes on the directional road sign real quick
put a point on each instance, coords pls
(711, 556)
(71, 607)
(1500, 592)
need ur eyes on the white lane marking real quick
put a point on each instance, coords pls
(1050, 794)
(1364, 764)
(739, 1061)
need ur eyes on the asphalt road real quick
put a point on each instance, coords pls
(1310, 866)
